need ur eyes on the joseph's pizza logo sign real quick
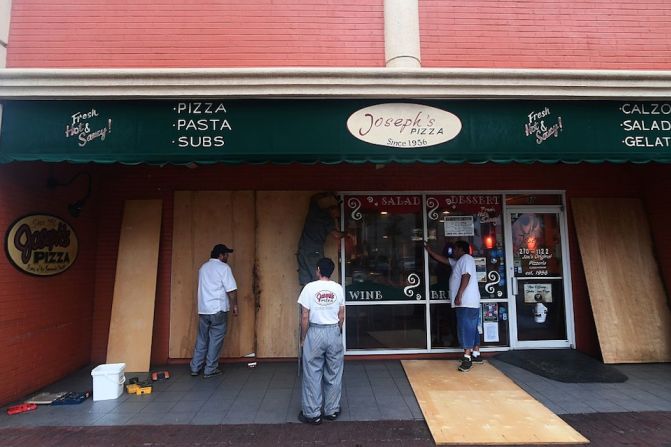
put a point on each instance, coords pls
(41, 244)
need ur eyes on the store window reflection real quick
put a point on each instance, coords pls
(476, 219)
(384, 269)
(537, 259)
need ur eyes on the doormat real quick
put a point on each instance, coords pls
(563, 365)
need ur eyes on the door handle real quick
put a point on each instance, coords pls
(513, 281)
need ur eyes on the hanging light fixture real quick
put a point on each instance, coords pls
(74, 208)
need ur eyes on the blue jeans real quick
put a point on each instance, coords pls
(211, 332)
(467, 326)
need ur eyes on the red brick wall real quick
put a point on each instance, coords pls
(589, 34)
(45, 322)
(207, 33)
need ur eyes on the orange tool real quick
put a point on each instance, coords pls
(21, 408)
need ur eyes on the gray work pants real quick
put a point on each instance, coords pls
(307, 264)
(211, 332)
(323, 361)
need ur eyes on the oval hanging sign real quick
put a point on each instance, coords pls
(404, 125)
(41, 244)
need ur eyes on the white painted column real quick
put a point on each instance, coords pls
(5, 14)
(401, 34)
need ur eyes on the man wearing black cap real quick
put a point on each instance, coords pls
(217, 294)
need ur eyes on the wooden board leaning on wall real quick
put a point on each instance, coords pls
(134, 298)
(625, 289)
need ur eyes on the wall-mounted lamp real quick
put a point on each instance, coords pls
(74, 208)
(489, 242)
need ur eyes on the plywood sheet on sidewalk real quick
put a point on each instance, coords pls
(203, 219)
(628, 299)
(482, 406)
(134, 297)
(280, 218)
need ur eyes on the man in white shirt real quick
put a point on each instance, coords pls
(322, 316)
(217, 295)
(465, 297)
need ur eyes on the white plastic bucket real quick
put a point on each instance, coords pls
(108, 380)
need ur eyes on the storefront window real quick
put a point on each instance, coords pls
(384, 267)
(476, 219)
(398, 297)
(384, 251)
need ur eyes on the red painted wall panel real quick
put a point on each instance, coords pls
(45, 322)
(209, 33)
(587, 34)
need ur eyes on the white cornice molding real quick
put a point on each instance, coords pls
(333, 83)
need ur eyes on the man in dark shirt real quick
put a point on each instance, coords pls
(319, 223)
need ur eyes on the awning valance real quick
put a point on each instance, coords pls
(335, 130)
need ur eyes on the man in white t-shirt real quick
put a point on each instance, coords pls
(217, 295)
(465, 297)
(322, 316)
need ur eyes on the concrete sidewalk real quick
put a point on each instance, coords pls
(258, 406)
(603, 429)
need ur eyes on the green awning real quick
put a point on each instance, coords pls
(317, 131)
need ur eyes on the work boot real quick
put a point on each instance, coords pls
(306, 420)
(466, 364)
(216, 372)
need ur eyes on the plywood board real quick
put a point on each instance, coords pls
(482, 406)
(132, 317)
(201, 220)
(183, 319)
(280, 218)
(625, 289)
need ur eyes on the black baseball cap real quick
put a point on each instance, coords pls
(220, 249)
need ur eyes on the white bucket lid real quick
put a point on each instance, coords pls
(108, 368)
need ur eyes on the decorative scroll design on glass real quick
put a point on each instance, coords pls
(356, 205)
(413, 281)
(433, 204)
(494, 278)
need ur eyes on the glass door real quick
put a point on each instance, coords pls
(476, 219)
(537, 269)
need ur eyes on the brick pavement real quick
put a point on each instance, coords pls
(603, 429)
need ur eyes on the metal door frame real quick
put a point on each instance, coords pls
(511, 281)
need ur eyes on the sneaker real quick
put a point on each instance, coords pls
(194, 373)
(465, 365)
(332, 417)
(216, 372)
(306, 420)
(476, 360)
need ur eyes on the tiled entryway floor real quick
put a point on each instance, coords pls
(373, 390)
(268, 393)
(648, 388)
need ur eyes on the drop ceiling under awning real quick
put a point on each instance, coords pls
(335, 130)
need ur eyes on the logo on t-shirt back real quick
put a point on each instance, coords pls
(325, 297)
